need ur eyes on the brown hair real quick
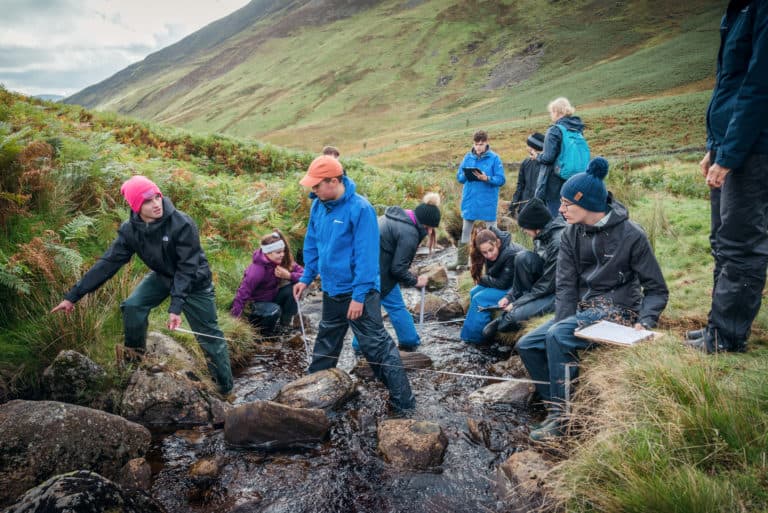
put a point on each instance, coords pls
(476, 258)
(480, 136)
(275, 236)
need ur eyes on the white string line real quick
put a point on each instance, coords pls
(461, 374)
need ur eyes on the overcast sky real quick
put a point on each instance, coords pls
(63, 46)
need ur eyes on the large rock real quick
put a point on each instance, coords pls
(326, 389)
(412, 444)
(267, 424)
(165, 350)
(437, 276)
(508, 392)
(40, 439)
(136, 475)
(524, 475)
(73, 378)
(411, 360)
(432, 304)
(83, 492)
(450, 311)
(167, 399)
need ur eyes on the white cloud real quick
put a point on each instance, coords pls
(41, 40)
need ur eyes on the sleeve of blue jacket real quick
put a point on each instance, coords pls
(365, 257)
(497, 177)
(751, 108)
(310, 251)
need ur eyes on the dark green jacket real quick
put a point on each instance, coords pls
(170, 247)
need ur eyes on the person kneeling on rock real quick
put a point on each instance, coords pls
(266, 290)
(606, 269)
(533, 289)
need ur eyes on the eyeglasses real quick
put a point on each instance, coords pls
(565, 203)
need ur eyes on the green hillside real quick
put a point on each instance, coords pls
(382, 75)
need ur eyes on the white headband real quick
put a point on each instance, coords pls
(275, 246)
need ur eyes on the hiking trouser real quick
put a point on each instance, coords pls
(265, 314)
(375, 343)
(739, 240)
(528, 269)
(545, 351)
(200, 311)
(400, 317)
(466, 229)
(472, 331)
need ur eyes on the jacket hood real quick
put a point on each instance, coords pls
(485, 153)
(260, 258)
(349, 191)
(400, 215)
(619, 214)
(504, 237)
(571, 123)
(168, 211)
(557, 223)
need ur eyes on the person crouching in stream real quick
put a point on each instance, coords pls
(266, 292)
(342, 247)
(401, 232)
(493, 250)
(606, 270)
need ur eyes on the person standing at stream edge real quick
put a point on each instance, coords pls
(480, 194)
(342, 247)
(735, 168)
(168, 242)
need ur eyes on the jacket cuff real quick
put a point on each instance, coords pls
(72, 296)
(176, 306)
(729, 161)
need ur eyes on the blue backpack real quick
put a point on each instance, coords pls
(574, 153)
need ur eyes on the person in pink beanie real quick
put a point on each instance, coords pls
(168, 242)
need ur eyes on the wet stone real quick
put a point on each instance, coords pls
(411, 360)
(450, 311)
(437, 276)
(136, 475)
(72, 378)
(508, 392)
(266, 424)
(327, 389)
(523, 476)
(83, 491)
(412, 444)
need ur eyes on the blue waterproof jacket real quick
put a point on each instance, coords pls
(737, 116)
(342, 245)
(479, 200)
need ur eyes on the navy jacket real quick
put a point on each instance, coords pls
(500, 273)
(170, 247)
(526, 185)
(546, 245)
(614, 262)
(737, 116)
(399, 240)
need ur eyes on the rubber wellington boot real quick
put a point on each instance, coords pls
(462, 256)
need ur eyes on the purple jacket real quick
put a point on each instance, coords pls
(259, 282)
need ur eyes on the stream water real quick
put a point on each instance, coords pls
(346, 473)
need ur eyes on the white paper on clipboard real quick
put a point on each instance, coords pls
(613, 333)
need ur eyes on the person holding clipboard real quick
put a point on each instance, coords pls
(606, 270)
(482, 174)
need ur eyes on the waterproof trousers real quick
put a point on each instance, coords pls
(472, 331)
(265, 314)
(401, 320)
(739, 239)
(200, 311)
(528, 269)
(375, 343)
(545, 352)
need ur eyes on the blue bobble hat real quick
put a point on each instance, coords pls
(587, 189)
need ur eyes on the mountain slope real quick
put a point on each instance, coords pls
(372, 74)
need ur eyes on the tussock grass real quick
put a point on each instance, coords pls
(665, 429)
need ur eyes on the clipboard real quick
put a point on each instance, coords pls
(469, 173)
(615, 334)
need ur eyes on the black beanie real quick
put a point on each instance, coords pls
(534, 216)
(536, 141)
(428, 215)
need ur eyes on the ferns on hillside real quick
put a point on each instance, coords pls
(78, 228)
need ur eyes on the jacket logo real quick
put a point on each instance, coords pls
(338, 221)
(165, 238)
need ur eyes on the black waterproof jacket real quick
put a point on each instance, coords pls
(737, 116)
(170, 247)
(500, 273)
(547, 246)
(615, 262)
(526, 185)
(399, 238)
